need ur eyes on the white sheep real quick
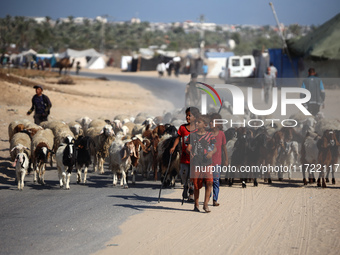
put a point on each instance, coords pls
(84, 122)
(21, 166)
(42, 145)
(20, 142)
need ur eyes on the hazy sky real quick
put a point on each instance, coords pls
(258, 12)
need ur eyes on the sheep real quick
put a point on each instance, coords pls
(60, 132)
(42, 145)
(21, 166)
(76, 129)
(117, 126)
(121, 117)
(20, 125)
(84, 122)
(128, 127)
(323, 124)
(120, 160)
(15, 127)
(102, 138)
(20, 142)
(65, 159)
(97, 123)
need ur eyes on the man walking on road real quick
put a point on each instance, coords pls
(317, 90)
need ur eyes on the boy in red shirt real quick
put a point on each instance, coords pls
(183, 132)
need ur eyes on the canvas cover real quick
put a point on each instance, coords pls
(322, 43)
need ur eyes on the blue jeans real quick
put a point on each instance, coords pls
(216, 184)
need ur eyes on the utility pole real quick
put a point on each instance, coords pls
(278, 25)
(285, 48)
(202, 42)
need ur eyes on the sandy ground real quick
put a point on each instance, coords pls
(282, 218)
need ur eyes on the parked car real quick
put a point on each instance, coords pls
(239, 67)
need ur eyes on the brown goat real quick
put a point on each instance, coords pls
(328, 155)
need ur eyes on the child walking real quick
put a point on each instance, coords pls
(183, 133)
(201, 148)
(221, 153)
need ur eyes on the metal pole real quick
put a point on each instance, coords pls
(285, 48)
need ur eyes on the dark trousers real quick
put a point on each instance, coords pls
(314, 109)
(38, 118)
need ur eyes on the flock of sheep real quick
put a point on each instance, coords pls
(76, 143)
(139, 143)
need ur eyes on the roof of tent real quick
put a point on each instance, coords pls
(322, 43)
(29, 52)
(82, 53)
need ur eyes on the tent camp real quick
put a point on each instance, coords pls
(89, 58)
(25, 57)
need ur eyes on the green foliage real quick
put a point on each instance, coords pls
(26, 33)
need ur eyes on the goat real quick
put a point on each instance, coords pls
(288, 157)
(120, 160)
(328, 155)
(65, 159)
(146, 157)
(164, 157)
(139, 147)
(102, 138)
(83, 146)
(21, 166)
(309, 155)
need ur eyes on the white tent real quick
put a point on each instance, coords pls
(83, 56)
(96, 63)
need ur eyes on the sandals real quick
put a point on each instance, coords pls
(196, 209)
(206, 209)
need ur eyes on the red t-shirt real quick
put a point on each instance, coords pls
(184, 133)
(220, 140)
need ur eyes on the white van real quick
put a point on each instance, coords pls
(239, 67)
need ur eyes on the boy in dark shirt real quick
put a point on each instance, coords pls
(41, 105)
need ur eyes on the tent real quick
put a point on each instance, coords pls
(321, 43)
(86, 58)
(96, 63)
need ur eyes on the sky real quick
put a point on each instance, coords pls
(251, 12)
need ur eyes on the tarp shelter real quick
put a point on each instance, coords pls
(322, 43)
